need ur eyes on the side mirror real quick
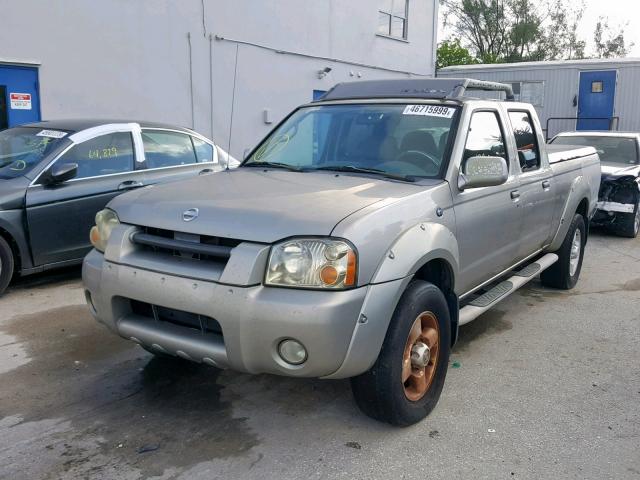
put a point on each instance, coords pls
(483, 172)
(62, 172)
(528, 159)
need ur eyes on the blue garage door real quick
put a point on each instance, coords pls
(596, 99)
(19, 101)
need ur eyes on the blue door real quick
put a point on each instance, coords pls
(595, 100)
(19, 100)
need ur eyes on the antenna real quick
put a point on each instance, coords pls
(233, 101)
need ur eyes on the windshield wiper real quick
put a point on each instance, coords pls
(374, 171)
(273, 165)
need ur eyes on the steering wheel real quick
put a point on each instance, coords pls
(417, 159)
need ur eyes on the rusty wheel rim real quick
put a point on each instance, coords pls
(420, 357)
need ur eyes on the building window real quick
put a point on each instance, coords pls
(596, 87)
(392, 18)
(529, 92)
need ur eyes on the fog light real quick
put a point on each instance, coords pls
(292, 351)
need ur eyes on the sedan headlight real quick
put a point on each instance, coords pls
(312, 263)
(106, 220)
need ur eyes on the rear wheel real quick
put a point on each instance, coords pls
(405, 383)
(565, 272)
(629, 224)
(6, 265)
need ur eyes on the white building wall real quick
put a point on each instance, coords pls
(561, 85)
(131, 59)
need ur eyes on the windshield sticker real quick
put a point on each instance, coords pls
(51, 134)
(429, 111)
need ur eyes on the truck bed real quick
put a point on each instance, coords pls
(562, 153)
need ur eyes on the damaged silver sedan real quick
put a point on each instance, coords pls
(619, 197)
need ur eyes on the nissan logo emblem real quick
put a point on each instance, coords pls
(190, 214)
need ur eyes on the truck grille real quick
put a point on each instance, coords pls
(179, 318)
(197, 247)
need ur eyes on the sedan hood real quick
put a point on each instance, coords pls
(619, 169)
(256, 204)
(12, 192)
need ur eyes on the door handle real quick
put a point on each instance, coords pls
(546, 184)
(515, 194)
(129, 184)
(205, 171)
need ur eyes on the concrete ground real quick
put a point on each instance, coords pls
(545, 386)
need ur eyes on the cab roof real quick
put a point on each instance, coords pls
(422, 88)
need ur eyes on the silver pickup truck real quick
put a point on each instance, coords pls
(352, 242)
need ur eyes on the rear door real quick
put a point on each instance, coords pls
(171, 155)
(488, 219)
(59, 216)
(536, 182)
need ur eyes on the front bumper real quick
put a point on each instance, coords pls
(253, 319)
(609, 213)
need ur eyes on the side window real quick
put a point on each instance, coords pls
(167, 149)
(111, 153)
(204, 151)
(485, 138)
(526, 141)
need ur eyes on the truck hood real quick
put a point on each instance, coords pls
(257, 205)
(12, 192)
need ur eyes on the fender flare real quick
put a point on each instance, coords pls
(578, 191)
(415, 247)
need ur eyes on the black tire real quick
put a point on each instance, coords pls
(628, 224)
(380, 392)
(559, 275)
(7, 265)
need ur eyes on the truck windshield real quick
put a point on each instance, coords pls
(610, 149)
(22, 148)
(398, 140)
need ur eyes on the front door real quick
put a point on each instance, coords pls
(488, 219)
(596, 100)
(19, 89)
(60, 216)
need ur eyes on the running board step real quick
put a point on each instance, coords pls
(493, 295)
(505, 288)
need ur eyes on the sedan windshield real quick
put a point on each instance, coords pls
(22, 148)
(390, 140)
(612, 149)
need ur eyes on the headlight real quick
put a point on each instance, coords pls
(312, 263)
(106, 220)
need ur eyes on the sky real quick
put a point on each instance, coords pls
(619, 13)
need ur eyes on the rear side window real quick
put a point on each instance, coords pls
(104, 155)
(167, 149)
(204, 150)
(485, 138)
(526, 141)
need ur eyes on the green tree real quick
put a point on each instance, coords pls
(452, 53)
(608, 43)
(527, 30)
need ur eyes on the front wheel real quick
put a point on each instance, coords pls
(565, 272)
(6, 265)
(405, 382)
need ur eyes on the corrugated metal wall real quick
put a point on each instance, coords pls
(561, 84)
